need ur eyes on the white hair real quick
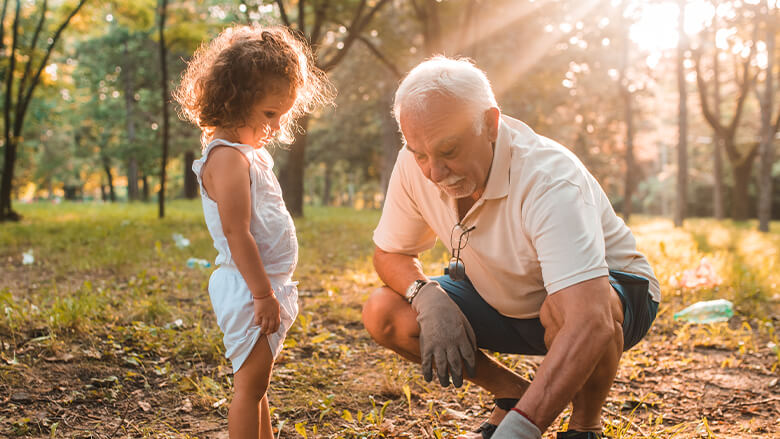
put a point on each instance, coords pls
(456, 78)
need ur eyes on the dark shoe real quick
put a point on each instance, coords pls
(574, 434)
(487, 429)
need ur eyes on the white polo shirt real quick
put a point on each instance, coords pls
(542, 224)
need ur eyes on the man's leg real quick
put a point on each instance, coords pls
(392, 323)
(588, 401)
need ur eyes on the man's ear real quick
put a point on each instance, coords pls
(492, 116)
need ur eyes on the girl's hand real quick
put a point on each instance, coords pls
(267, 314)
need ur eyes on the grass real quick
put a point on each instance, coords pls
(108, 333)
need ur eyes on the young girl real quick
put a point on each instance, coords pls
(244, 89)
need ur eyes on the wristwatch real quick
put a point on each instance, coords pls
(413, 289)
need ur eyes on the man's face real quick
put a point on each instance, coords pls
(447, 148)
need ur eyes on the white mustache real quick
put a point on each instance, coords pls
(451, 180)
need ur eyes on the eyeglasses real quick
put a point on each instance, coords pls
(456, 270)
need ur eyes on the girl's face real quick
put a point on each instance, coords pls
(266, 118)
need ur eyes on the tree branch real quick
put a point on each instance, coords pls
(246, 12)
(744, 86)
(418, 10)
(33, 44)
(302, 16)
(777, 122)
(320, 12)
(9, 77)
(22, 106)
(712, 119)
(2, 25)
(383, 59)
(283, 13)
(357, 26)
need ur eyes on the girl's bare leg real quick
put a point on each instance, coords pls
(249, 416)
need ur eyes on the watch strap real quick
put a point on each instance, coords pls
(413, 289)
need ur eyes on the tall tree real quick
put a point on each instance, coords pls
(682, 143)
(768, 129)
(718, 209)
(322, 14)
(23, 83)
(165, 96)
(628, 117)
(741, 159)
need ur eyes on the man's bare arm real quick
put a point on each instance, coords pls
(396, 270)
(587, 315)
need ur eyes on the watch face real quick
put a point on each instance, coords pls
(410, 290)
(413, 289)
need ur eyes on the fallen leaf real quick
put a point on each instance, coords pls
(450, 414)
(219, 403)
(63, 357)
(21, 397)
(186, 406)
(145, 406)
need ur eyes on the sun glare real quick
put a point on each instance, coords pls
(656, 29)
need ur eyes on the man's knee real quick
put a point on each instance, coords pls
(382, 315)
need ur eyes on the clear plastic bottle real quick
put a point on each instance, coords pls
(710, 311)
(195, 262)
(180, 240)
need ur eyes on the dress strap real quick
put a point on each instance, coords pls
(246, 150)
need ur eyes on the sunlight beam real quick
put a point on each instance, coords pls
(513, 71)
(496, 23)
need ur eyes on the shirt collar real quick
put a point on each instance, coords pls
(498, 180)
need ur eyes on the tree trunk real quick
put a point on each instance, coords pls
(190, 181)
(145, 187)
(391, 141)
(718, 210)
(630, 166)
(110, 178)
(9, 160)
(132, 162)
(164, 89)
(326, 183)
(742, 171)
(628, 116)
(291, 175)
(11, 139)
(132, 179)
(682, 144)
(28, 80)
(292, 172)
(767, 147)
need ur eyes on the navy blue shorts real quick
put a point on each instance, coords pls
(500, 333)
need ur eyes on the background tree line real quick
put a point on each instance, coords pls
(678, 120)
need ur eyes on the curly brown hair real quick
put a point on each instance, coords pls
(226, 77)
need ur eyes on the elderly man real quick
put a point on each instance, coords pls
(541, 264)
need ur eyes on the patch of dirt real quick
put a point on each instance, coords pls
(85, 397)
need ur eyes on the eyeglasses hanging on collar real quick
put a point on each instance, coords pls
(456, 269)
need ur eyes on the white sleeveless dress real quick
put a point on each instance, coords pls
(274, 233)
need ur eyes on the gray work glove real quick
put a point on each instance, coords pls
(516, 426)
(446, 336)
